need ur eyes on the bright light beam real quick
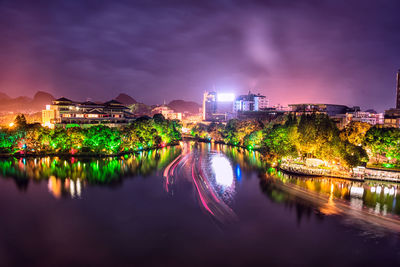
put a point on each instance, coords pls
(225, 97)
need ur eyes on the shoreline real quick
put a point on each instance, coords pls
(369, 174)
(298, 172)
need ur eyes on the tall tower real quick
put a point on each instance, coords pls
(398, 90)
(209, 105)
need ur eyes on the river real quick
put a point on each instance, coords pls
(190, 205)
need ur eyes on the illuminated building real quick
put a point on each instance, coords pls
(329, 109)
(367, 117)
(209, 105)
(398, 90)
(64, 111)
(251, 102)
(218, 106)
(370, 117)
(167, 112)
(392, 116)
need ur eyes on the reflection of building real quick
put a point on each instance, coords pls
(167, 112)
(217, 107)
(392, 116)
(251, 102)
(64, 111)
(329, 109)
(57, 187)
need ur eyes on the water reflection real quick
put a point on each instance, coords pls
(216, 172)
(68, 177)
(375, 211)
(380, 197)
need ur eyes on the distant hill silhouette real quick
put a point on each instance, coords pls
(125, 99)
(182, 106)
(4, 96)
(24, 103)
(41, 99)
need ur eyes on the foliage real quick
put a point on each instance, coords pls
(280, 141)
(308, 136)
(355, 132)
(20, 121)
(383, 144)
(99, 139)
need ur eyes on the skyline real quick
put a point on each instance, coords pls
(316, 51)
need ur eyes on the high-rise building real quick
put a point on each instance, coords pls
(392, 116)
(398, 90)
(251, 102)
(209, 105)
(217, 106)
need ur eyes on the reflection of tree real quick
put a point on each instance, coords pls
(22, 184)
(272, 188)
(101, 171)
(248, 160)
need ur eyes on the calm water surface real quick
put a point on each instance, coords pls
(190, 205)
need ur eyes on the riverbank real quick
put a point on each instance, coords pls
(310, 171)
(361, 174)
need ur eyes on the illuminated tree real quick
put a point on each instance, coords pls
(200, 131)
(280, 141)
(216, 131)
(383, 143)
(20, 121)
(355, 132)
(101, 138)
(7, 141)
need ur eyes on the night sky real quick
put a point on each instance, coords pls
(339, 51)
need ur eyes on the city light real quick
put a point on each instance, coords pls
(225, 97)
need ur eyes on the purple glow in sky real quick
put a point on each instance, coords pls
(339, 51)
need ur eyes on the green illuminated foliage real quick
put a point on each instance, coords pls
(383, 145)
(144, 133)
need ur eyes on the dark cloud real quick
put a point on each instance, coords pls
(292, 51)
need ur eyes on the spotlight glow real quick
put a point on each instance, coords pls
(225, 97)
